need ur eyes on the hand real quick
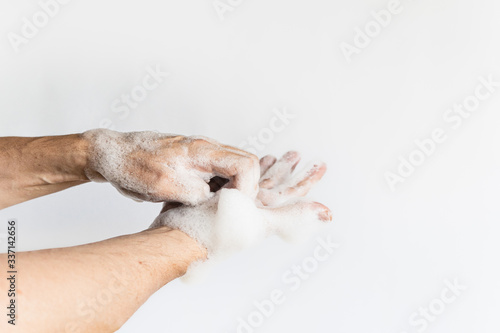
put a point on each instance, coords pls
(278, 209)
(158, 167)
(277, 185)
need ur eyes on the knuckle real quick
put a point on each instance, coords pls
(195, 142)
(201, 140)
(266, 183)
(198, 143)
(254, 160)
(250, 162)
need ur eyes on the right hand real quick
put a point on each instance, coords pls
(277, 186)
(158, 167)
(278, 208)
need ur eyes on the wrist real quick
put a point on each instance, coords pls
(95, 142)
(180, 250)
(106, 151)
(81, 156)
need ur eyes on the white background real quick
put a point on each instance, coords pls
(226, 77)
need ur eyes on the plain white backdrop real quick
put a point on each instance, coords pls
(358, 113)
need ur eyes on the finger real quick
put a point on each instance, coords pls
(221, 146)
(324, 213)
(302, 184)
(188, 190)
(300, 211)
(242, 171)
(240, 167)
(281, 170)
(298, 220)
(265, 163)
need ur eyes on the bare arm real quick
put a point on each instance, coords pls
(96, 287)
(143, 165)
(34, 167)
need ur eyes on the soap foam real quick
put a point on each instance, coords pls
(132, 163)
(231, 221)
(108, 158)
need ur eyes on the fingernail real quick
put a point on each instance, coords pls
(326, 215)
(291, 155)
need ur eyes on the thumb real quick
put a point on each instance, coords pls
(297, 220)
(191, 191)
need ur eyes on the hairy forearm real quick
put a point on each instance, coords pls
(97, 287)
(33, 167)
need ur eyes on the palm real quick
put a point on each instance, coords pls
(278, 186)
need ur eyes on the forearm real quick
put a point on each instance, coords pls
(97, 287)
(33, 167)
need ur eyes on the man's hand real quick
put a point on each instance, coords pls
(143, 165)
(277, 185)
(278, 209)
(158, 167)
